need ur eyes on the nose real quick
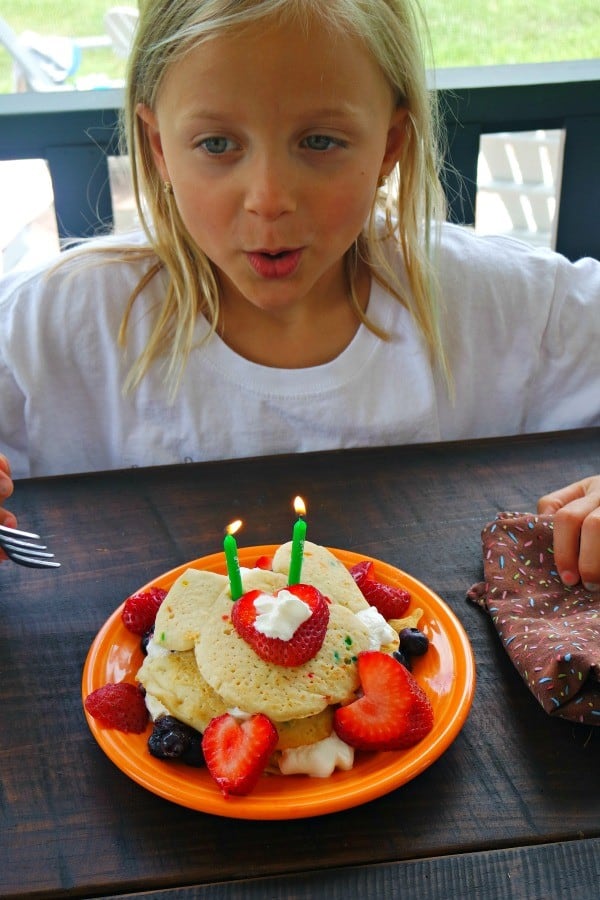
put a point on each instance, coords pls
(270, 188)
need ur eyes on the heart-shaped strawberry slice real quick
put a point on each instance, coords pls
(254, 613)
(394, 711)
(120, 705)
(237, 752)
(392, 602)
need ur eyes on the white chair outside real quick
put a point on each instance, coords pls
(47, 62)
(519, 184)
(120, 23)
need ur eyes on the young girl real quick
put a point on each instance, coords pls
(294, 287)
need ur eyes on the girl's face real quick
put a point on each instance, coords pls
(274, 140)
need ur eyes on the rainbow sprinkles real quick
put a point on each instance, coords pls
(550, 631)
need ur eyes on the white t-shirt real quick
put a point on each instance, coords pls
(521, 329)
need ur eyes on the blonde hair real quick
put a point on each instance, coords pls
(390, 29)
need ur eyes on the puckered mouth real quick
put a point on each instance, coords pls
(280, 251)
(279, 263)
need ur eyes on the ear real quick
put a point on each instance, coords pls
(395, 139)
(150, 125)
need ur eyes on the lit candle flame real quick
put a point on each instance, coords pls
(299, 506)
(298, 536)
(234, 527)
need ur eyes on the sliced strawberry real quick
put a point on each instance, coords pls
(264, 562)
(237, 752)
(392, 602)
(140, 609)
(306, 640)
(119, 706)
(394, 711)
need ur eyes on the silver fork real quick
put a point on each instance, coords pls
(20, 546)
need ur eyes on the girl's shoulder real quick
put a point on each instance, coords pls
(471, 250)
(512, 273)
(461, 248)
(472, 267)
(102, 270)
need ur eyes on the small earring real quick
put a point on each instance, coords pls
(168, 188)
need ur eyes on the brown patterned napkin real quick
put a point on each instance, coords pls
(551, 632)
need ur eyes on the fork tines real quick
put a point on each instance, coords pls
(20, 546)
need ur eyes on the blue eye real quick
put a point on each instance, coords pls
(216, 146)
(321, 142)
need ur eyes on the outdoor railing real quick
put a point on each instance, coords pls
(76, 132)
(493, 99)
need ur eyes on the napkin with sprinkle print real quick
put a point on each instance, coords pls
(551, 632)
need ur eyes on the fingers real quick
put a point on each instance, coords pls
(4, 468)
(589, 551)
(576, 510)
(6, 518)
(6, 489)
(551, 503)
(6, 486)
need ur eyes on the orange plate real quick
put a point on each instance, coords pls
(447, 673)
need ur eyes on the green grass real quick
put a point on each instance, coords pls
(72, 18)
(463, 33)
(490, 32)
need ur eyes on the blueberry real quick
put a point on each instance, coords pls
(172, 739)
(402, 658)
(194, 756)
(146, 638)
(413, 642)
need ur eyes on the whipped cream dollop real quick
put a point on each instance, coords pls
(154, 649)
(239, 714)
(319, 759)
(380, 632)
(280, 616)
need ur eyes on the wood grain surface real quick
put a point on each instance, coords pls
(516, 796)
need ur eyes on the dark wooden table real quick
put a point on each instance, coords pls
(512, 809)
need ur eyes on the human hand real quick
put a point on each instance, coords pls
(576, 511)
(6, 489)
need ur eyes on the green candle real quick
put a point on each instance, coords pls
(298, 538)
(231, 558)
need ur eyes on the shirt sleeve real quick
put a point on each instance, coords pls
(565, 388)
(521, 328)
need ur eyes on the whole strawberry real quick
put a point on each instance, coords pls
(120, 706)
(139, 611)
(302, 645)
(392, 602)
(237, 752)
(394, 711)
